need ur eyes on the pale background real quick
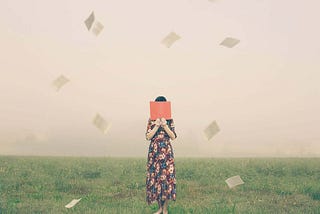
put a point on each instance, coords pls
(263, 93)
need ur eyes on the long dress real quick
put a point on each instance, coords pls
(161, 174)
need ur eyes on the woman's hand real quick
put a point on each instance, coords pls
(157, 122)
(163, 122)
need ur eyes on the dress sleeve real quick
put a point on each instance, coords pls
(149, 127)
(172, 128)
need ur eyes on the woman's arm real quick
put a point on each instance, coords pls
(151, 132)
(169, 132)
(165, 126)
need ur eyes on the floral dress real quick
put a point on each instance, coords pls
(161, 175)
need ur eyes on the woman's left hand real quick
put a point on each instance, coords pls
(163, 122)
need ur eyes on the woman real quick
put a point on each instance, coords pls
(161, 178)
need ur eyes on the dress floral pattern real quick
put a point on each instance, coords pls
(161, 174)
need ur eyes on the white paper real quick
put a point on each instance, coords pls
(101, 123)
(170, 39)
(229, 42)
(59, 82)
(97, 28)
(211, 130)
(89, 21)
(72, 203)
(234, 181)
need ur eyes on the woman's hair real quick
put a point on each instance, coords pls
(160, 99)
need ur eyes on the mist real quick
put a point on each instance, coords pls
(263, 93)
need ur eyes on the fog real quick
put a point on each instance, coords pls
(263, 93)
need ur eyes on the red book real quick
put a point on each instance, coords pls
(160, 109)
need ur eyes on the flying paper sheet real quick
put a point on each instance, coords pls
(170, 39)
(211, 130)
(234, 181)
(97, 28)
(72, 203)
(229, 42)
(101, 123)
(59, 82)
(89, 21)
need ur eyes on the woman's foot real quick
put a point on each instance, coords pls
(159, 211)
(165, 207)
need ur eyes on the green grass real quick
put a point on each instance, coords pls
(117, 185)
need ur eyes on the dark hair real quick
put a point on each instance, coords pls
(160, 99)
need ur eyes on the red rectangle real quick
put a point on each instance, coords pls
(160, 109)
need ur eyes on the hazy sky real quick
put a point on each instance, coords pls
(263, 93)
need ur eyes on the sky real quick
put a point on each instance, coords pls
(263, 93)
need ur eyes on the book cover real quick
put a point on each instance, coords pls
(160, 109)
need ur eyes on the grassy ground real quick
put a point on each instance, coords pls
(117, 185)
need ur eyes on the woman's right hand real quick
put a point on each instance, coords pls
(157, 122)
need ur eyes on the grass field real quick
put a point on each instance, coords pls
(117, 185)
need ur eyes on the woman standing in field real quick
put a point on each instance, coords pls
(161, 175)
